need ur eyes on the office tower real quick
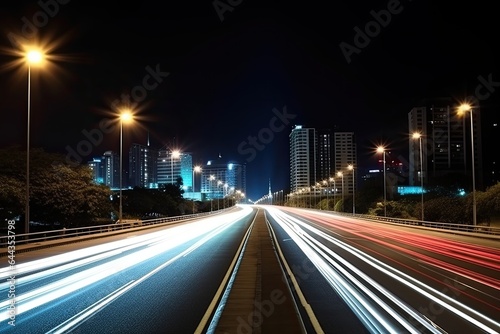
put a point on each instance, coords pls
(221, 179)
(345, 155)
(143, 166)
(446, 141)
(173, 165)
(302, 157)
(111, 165)
(97, 168)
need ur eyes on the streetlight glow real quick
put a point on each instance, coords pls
(351, 168)
(418, 136)
(125, 117)
(381, 149)
(462, 110)
(32, 57)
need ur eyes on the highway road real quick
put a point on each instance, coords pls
(393, 279)
(162, 281)
(347, 276)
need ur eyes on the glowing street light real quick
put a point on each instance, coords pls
(381, 149)
(342, 176)
(462, 110)
(196, 169)
(126, 116)
(32, 57)
(351, 168)
(174, 154)
(211, 178)
(418, 135)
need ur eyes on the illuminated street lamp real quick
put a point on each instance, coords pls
(219, 183)
(211, 178)
(462, 110)
(342, 176)
(32, 57)
(175, 154)
(125, 117)
(418, 136)
(196, 169)
(351, 168)
(381, 149)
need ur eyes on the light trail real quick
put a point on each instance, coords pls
(347, 280)
(139, 249)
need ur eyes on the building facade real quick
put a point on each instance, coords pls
(302, 158)
(446, 142)
(143, 166)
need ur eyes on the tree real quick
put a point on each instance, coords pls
(59, 193)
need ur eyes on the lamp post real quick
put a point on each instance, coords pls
(325, 182)
(225, 195)
(418, 136)
(462, 110)
(341, 174)
(334, 192)
(381, 149)
(219, 183)
(196, 169)
(125, 117)
(211, 178)
(174, 154)
(31, 57)
(351, 168)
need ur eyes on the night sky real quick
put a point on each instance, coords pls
(204, 80)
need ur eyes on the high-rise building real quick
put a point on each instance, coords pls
(220, 179)
(345, 156)
(97, 168)
(325, 154)
(172, 165)
(111, 166)
(316, 155)
(302, 158)
(445, 141)
(143, 166)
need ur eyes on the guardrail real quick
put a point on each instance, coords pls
(90, 230)
(481, 229)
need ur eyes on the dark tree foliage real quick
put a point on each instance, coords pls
(59, 194)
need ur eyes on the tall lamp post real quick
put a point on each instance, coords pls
(125, 117)
(342, 176)
(196, 169)
(211, 178)
(32, 57)
(351, 168)
(418, 136)
(381, 149)
(174, 154)
(461, 111)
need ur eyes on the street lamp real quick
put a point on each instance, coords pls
(325, 182)
(32, 57)
(125, 117)
(196, 169)
(418, 136)
(219, 183)
(351, 168)
(461, 111)
(381, 149)
(174, 154)
(342, 176)
(211, 178)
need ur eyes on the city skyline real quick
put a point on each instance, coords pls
(211, 80)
